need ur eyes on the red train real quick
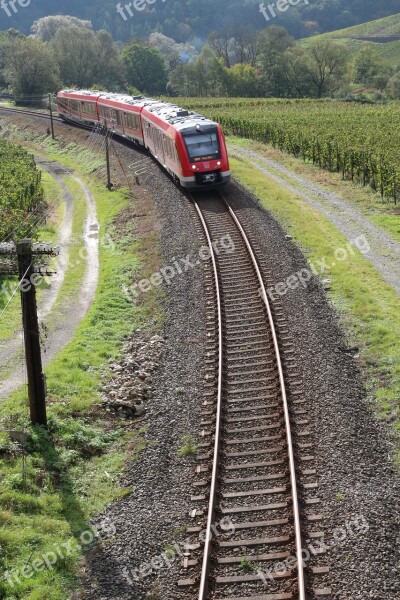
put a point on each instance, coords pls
(189, 146)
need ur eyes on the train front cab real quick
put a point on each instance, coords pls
(206, 157)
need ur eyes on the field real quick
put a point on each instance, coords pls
(20, 188)
(372, 33)
(362, 142)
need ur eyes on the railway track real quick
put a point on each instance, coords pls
(30, 113)
(253, 462)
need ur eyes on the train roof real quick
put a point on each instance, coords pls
(94, 93)
(171, 114)
(181, 118)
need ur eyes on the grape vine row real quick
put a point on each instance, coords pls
(362, 142)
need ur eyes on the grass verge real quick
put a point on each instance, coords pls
(53, 482)
(369, 308)
(382, 213)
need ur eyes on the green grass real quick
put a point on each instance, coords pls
(69, 474)
(389, 52)
(188, 446)
(11, 320)
(385, 26)
(378, 211)
(369, 308)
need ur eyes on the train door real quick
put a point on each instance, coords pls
(120, 121)
(160, 146)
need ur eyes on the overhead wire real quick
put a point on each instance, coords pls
(14, 292)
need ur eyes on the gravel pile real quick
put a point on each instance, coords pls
(129, 386)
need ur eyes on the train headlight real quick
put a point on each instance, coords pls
(194, 167)
(218, 163)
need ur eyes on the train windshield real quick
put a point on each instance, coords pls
(203, 146)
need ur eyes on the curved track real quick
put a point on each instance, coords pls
(252, 479)
(30, 113)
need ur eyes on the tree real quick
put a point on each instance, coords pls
(274, 42)
(7, 38)
(47, 27)
(31, 69)
(86, 57)
(172, 52)
(109, 72)
(183, 81)
(393, 87)
(327, 66)
(295, 79)
(144, 68)
(221, 44)
(243, 81)
(247, 46)
(370, 69)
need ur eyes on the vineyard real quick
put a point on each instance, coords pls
(362, 142)
(20, 189)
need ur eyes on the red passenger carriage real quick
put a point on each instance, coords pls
(189, 146)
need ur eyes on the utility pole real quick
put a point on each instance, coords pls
(29, 277)
(109, 183)
(51, 118)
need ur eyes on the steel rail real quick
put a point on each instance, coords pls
(289, 437)
(204, 579)
(30, 113)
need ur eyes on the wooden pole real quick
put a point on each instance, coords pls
(51, 118)
(36, 379)
(109, 184)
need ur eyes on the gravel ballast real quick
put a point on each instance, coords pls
(358, 485)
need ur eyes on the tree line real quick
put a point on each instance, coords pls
(65, 51)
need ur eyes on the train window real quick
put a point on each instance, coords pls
(202, 146)
(74, 105)
(89, 107)
(132, 121)
(119, 117)
(63, 104)
(169, 147)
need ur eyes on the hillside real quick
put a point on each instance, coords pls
(187, 19)
(382, 34)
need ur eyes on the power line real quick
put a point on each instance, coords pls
(14, 292)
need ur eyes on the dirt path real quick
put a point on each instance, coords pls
(384, 250)
(72, 313)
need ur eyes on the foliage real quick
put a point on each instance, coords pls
(47, 27)
(144, 68)
(70, 473)
(270, 64)
(326, 66)
(20, 187)
(360, 141)
(188, 447)
(189, 20)
(373, 34)
(86, 57)
(393, 87)
(31, 69)
(246, 565)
